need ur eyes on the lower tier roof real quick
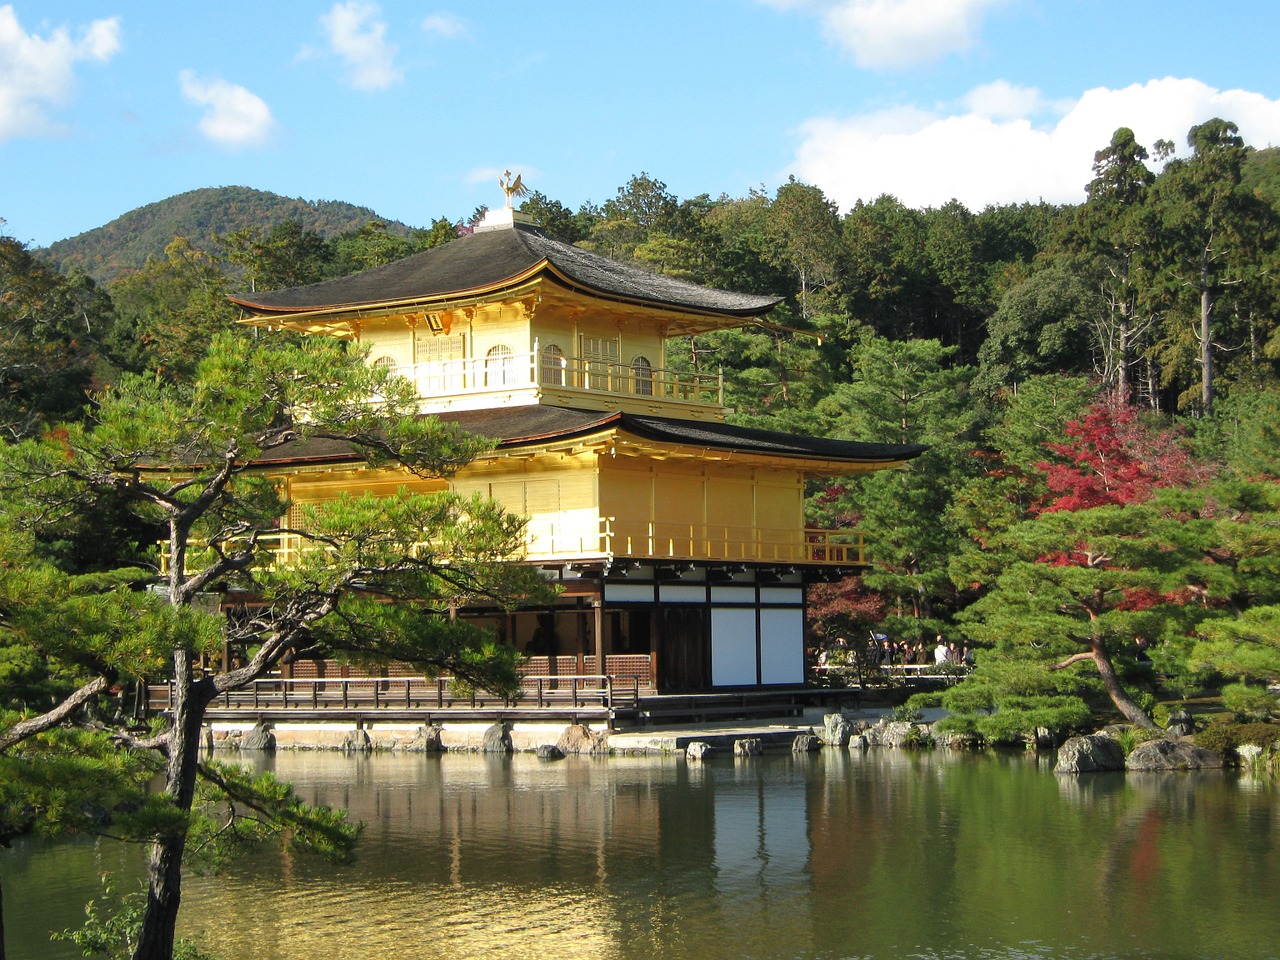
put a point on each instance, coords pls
(513, 428)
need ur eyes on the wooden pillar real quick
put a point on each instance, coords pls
(597, 618)
(655, 644)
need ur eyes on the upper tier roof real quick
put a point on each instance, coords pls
(492, 260)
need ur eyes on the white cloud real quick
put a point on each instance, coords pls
(1004, 101)
(233, 117)
(358, 36)
(444, 25)
(37, 73)
(897, 33)
(988, 153)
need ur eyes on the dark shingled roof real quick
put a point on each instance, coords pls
(515, 427)
(488, 259)
(751, 440)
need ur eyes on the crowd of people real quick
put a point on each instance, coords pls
(881, 651)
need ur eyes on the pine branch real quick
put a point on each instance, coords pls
(47, 721)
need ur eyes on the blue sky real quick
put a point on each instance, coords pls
(414, 109)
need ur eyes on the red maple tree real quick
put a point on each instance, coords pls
(1114, 457)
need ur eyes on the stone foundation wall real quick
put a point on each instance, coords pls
(389, 736)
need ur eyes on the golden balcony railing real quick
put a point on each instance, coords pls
(559, 539)
(529, 371)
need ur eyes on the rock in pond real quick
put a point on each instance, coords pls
(497, 739)
(579, 738)
(259, 738)
(1089, 754)
(1172, 755)
(1180, 724)
(805, 743)
(429, 738)
(699, 750)
(837, 730)
(357, 741)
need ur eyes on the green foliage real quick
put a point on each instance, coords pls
(373, 245)
(1226, 738)
(1244, 433)
(1250, 703)
(1017, 718)
(237, 811)
(1131, 738)
(1007, 697)
(556, 219)
(918, 738)
(1246, 647)
(1127, 737)
(802, 237)
(112, 925)
(286, 255)
(924, 700)
(1042, 326)
(52, 334)
(373, 577)
(169, 311)
(127, 243)
(72, 781)
(907, 393)
(1213, 235)
(441, 231)
(907, 712)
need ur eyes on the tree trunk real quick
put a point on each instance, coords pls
(1122, 361)
(1119, 696)
(1, 921)
(164, 871)
(1206, 352)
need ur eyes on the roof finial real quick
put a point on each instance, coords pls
(512, 188)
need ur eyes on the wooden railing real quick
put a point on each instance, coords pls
(416, 693)
(517, 371)
(909, 674)
(744, 544)
(620, 666)
(558, 539)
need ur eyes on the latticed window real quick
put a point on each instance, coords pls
(641, 376)
(436, 349)
(601, 358)
(439, 361)
(499, 366)
(551, 366)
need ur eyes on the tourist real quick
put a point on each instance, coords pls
(940, 652)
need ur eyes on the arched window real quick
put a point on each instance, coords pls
(642, 376)
(552, 364)
(499, 366)
(384, 365)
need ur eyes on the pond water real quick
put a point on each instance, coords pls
(885, 854)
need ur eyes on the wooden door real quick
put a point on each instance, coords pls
(685, 649)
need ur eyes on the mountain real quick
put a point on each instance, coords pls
(126, 242)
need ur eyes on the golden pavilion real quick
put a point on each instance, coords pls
(678, 539)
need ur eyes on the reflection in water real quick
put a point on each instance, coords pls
(831, 855)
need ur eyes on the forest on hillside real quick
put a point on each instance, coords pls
(126, 243)
(1097, 384)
